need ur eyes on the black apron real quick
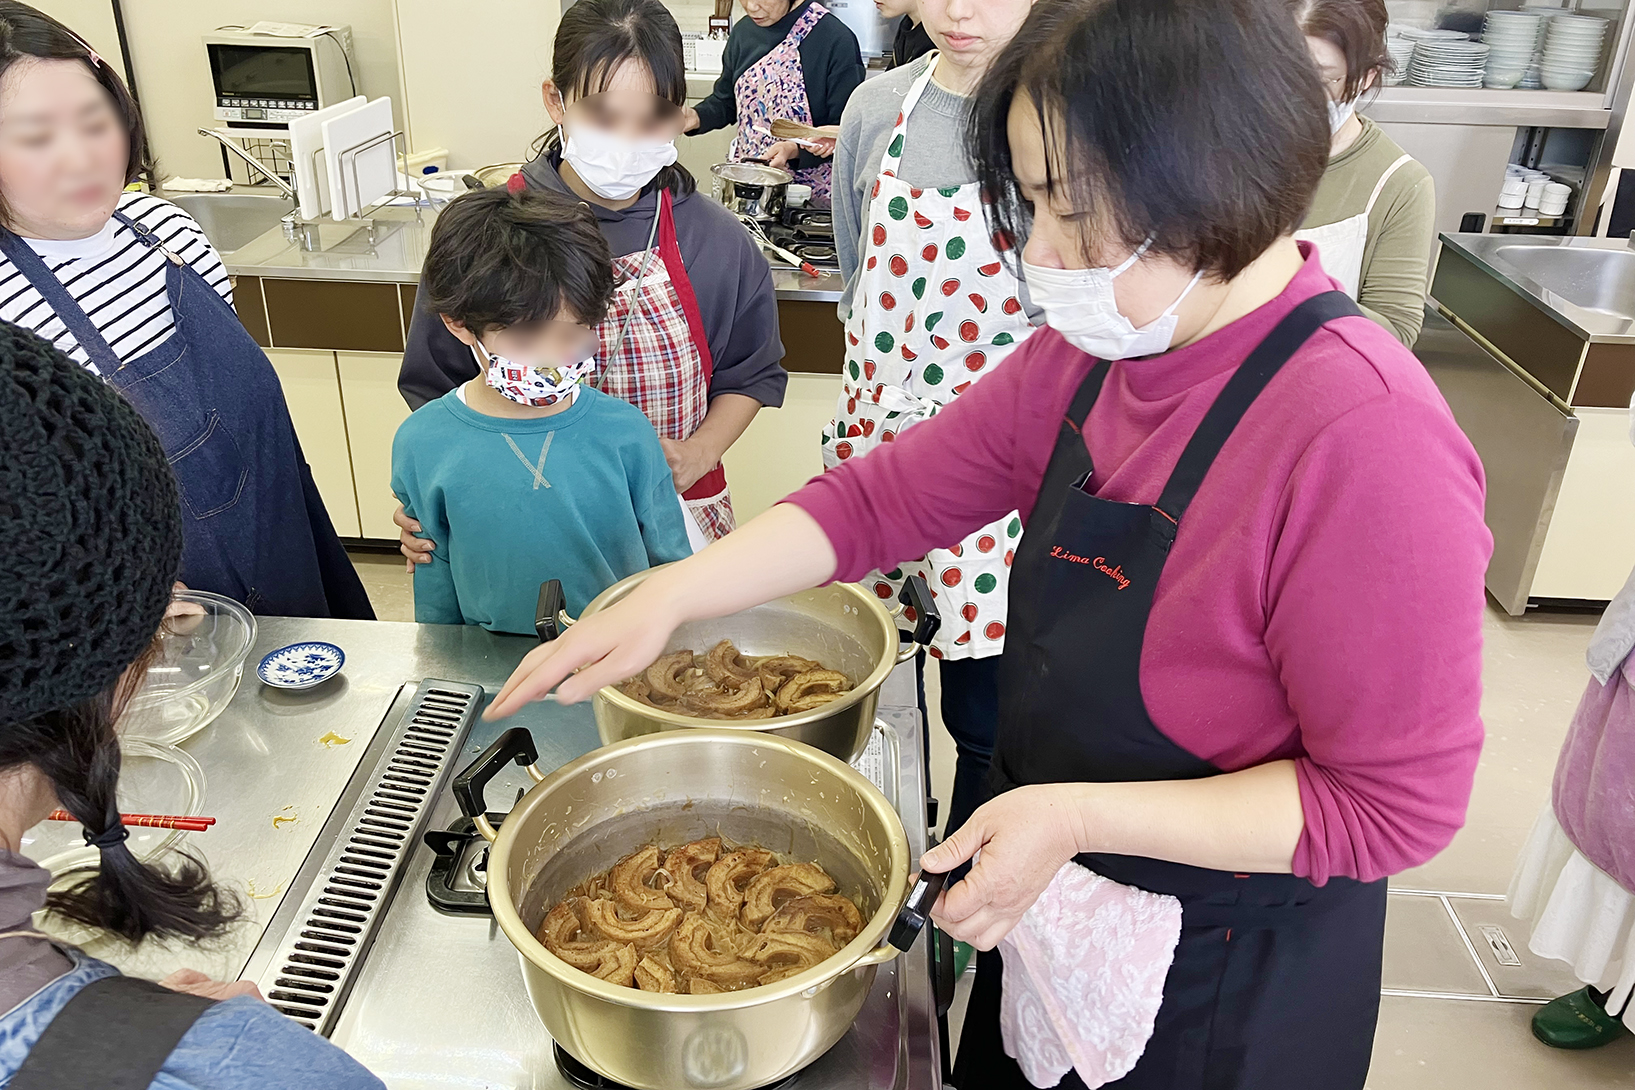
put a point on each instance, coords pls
(114, 1034)
(1275, 983)
(254, 527)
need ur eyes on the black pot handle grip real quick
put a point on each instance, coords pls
(917, 909)
(548, 610)
(515, 745)
(927, 617)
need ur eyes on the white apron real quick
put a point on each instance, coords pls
(934, 310)
(1340, 244)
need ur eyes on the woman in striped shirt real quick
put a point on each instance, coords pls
(127, 285)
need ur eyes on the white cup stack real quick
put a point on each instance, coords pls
(1514, 193)
(1554, 199)
(1513, 39)
(1572, 51)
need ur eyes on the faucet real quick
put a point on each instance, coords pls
(231, 145)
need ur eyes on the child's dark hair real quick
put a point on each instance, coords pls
(26, 32)
(595, 37)
(77, 749)
(501, 259)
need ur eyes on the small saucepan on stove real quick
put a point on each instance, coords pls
(672, 788)
(756, 190)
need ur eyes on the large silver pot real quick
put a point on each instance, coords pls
(756, 190)
(843, 626)
(672, 788)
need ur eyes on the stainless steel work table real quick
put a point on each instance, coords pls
(440, 1000)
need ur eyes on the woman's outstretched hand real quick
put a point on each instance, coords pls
(780, 552)
(604, 648)
(1024, 836)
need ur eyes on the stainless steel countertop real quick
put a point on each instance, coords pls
(271, 777)
(1597, 326)
(396, 249)
(441, 1002)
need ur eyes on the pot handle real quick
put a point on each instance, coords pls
(516, 745)
(550, 612)
(927, 618)
(911, 920)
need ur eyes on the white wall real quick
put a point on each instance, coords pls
(173, 76)
(465, 78)
(473, 73)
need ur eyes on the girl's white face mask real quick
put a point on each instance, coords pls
(1338, 114)
(611, 165)
(1081, 305)
(530, 385)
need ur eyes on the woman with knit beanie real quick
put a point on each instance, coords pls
(89, 511)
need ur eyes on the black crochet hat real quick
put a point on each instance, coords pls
(91, 528)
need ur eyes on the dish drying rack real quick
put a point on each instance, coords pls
(277, 150)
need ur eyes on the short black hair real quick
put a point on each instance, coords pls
(27, 32)
(1200, 124)
(500, 259)
(596, 37)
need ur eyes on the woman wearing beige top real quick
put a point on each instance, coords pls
(1373, 219)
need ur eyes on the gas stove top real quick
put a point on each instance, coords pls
(808, 233)
(439, 999)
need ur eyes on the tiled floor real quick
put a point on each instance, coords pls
(1534, 676)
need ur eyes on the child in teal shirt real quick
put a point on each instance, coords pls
(524, 473)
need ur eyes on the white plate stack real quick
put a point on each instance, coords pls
(1401, 49)
(1572, 51)
(1513, 39)
(1447, 61)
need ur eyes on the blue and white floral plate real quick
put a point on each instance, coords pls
(301, 665)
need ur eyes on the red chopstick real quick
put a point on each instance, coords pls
(183, 822)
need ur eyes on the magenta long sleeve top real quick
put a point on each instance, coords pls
(1323, 599)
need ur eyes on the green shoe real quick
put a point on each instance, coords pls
(1576, 1021)
(963, 953)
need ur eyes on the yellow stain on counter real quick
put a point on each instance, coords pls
(331, 740)
(286, 816)
(257, 895)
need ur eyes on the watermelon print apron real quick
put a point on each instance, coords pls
(655, 355)
(935, 309)
(774, 88)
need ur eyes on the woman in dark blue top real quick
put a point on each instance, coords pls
(786, 61)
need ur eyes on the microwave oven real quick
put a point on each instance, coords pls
(266, 81)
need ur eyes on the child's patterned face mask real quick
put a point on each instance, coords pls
(530, 384)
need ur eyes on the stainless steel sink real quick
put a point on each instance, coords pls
(230, 220)
(1599, 280)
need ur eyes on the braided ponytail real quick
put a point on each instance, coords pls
(77, 749)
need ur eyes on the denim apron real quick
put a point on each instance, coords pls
(255, 528)
(1275, 984)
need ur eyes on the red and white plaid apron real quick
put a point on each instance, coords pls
(663, 366)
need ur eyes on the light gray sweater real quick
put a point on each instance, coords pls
(933, 155)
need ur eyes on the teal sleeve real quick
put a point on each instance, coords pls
(435, 601)
(658, 508)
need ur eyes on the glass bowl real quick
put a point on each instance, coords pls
(196, 670)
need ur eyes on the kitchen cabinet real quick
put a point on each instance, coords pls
(1590, 546)
(374, 409)
(312, 389)
(781, 450)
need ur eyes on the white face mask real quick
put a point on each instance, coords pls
(1081, 306)
(1338, 114)
(529, 385)
(614, 167)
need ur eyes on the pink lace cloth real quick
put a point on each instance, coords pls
(1084, 976)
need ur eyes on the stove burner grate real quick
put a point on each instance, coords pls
(583, 1077)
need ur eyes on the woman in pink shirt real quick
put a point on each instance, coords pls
(1243, 663)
